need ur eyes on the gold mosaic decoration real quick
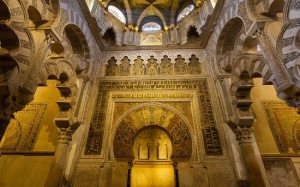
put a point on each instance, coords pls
(22, 131)
(281, 119)
(151, 67)
(155, 117)
(210, 133)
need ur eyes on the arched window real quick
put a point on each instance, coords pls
(117, 13)
(185, 12)
(213, 3)
(151, 26)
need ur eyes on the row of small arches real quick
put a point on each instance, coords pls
(152, 67)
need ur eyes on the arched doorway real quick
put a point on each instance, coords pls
(149, 141)
(152, 165)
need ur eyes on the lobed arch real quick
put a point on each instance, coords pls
(131, 132)
(245, 68)
(110, 36)
(78, 43)
(230, 44)
(116, 30)
(50, 77)
(65, 74)
(54, 68)
(36, 19)
(190, 21)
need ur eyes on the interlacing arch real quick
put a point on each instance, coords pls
(65, 73)
(288, 41)
(79, 45)
(230, 44)
(245, 68)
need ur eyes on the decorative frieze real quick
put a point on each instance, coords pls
(152, 67)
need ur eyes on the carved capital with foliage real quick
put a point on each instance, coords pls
(243, 134)
(64, 134)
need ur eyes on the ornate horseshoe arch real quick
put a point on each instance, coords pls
(165, 118)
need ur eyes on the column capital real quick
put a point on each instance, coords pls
(243, 134)
(259, 34)
(64, 134)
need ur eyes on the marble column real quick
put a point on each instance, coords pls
(57, 166)
(281, 79)
(254, 173)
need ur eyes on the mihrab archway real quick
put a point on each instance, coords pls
(155, 117)
(153, 138)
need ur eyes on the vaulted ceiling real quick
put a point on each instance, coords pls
(139, 12)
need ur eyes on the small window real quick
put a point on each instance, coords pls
(151, 26)
(185, 12)
(117, 13)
